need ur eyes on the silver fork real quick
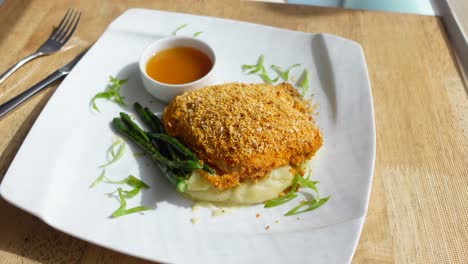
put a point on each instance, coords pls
(55, 42)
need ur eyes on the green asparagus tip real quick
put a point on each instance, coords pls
(124, 115)
(137, 106)
(182, 185)
(119, 125)
(189, 165)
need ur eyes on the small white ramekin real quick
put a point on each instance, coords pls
(167, 92)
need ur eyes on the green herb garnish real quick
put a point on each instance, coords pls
(254, 68)
(178, 28)
(267, 78)
(112, 93)
(304, 82)
(280, 200)
(123, 206)
(259, 69)
(311, 205)
(132, 193)
(286, 198)
(130, 180)
(99, 179)
(284, 74)
(116, 151)
(128, 194)
(304, 182)
(196, 34)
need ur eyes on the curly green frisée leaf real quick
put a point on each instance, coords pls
(112, 93)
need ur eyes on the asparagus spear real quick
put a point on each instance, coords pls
(134, 127)
(157, 122)
(140, 137)
(173, 142)
(164, 164)
(156, 126)
(172, 157)
(146, 118)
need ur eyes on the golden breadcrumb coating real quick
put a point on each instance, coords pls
(244, 130)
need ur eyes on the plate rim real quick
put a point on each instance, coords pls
(362, 218)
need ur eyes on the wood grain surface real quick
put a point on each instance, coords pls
(418, 211)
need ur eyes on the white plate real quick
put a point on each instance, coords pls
(59, 158)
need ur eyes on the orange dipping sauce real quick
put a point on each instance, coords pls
(178, 65)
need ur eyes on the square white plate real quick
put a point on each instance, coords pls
(58, 160)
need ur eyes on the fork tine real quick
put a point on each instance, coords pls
(66, 26)
(62, 24)
(70, 33)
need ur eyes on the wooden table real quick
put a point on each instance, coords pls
(418, 211)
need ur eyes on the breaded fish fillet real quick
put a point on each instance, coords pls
(244, 130)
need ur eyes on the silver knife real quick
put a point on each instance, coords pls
(57, 75)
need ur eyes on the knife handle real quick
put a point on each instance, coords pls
(19, 99)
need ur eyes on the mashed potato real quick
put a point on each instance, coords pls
(278, 180)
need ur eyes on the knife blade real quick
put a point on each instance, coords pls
(55, 76)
